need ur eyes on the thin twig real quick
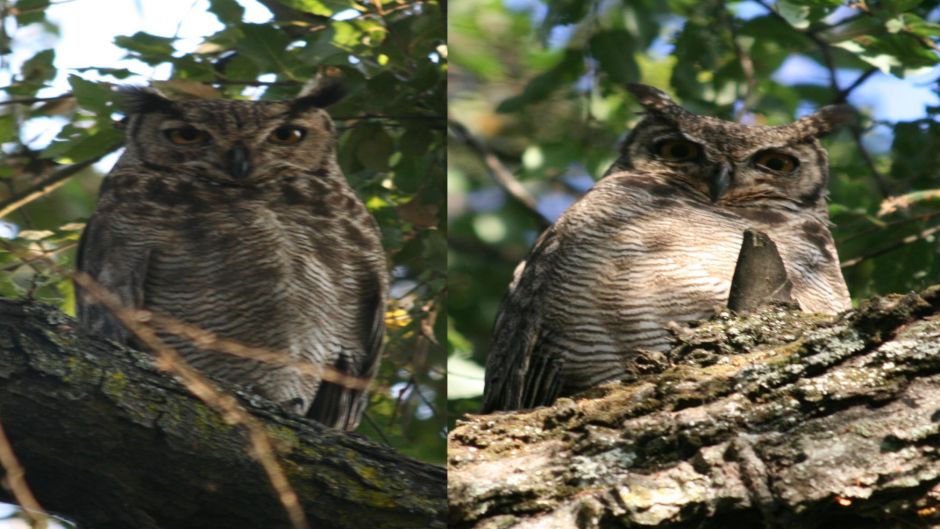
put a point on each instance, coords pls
(390, 116)
(15, 480)
(44, 186)
(503, 176)
(747, 65)
(32, 100)
(844, 93)
(375, 427)
(910, 239)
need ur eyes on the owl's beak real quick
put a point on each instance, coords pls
(238, 163)
(721, 180)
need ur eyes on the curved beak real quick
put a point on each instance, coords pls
(237, 161)
(720, 181)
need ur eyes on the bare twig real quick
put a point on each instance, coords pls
(503, 176)
(402, 117)
(15, 480)
(44, 187)
(32, 100)
(910, 239)
(747, 65)
(844, 93)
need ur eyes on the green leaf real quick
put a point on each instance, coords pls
(8, 129)
(543, 85)
(229, 12)
(375, 149)
(319, 7)
(39, 68)
(614, 50)
(899, 6)
(266, 46)
(146, 47)
(31, 11)
(95, 97)
(78, 145)
(795, 13)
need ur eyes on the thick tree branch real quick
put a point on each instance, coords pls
(108, 440)
(775, 420)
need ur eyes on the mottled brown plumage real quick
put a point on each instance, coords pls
(233, 216)
(655, 241)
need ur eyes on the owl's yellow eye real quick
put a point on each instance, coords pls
(776, 162)
(677, 150)
(186, 136)
(287, 135)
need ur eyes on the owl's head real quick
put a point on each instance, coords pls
(732, 164)
(229, 141)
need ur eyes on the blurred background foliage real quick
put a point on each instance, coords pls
(537, 108)
(389, 54)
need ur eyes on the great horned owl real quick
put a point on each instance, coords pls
(234, 217)
(656, 240)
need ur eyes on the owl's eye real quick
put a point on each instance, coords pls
(677, 150)
(776, 162)
(186, 136)
(287, 135)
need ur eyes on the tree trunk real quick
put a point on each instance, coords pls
(109, 441)
(775, 419)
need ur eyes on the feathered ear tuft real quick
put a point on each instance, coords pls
(141, 100)
(650, 97)
(655, 100)
(824, 121)
(327, 94)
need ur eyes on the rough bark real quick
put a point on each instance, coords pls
(111, 442)
(774, 419)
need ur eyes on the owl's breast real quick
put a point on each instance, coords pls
(253, 276)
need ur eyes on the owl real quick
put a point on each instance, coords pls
(234, 217)
(656, 241)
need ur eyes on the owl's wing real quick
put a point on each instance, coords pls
(340, 406)
(517, 374)
(117, 264)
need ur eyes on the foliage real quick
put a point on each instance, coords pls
(391, 57)
(540, 86)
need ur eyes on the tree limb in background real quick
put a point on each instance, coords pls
(112, 442)
(499, 172)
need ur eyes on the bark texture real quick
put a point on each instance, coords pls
(774, 419)
(111, 442)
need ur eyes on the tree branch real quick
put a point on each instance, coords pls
(776, 419)
(500, 174)
(44, 186)
(108, 440)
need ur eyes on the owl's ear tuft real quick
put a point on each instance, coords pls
(325, 95)
(823, 121)
(650, 97)
(141, 100)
